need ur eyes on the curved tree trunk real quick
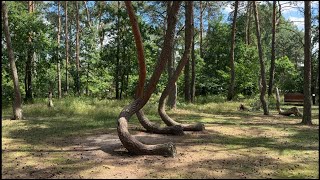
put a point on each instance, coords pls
(183, 61)
(262, 83)
(293, 110)
(145, 122)
(156, 128)
(233, 41)
(273, 50)
(17, 103)
(128, 141)
(306, 119)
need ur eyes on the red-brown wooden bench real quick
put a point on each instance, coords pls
(293, 97)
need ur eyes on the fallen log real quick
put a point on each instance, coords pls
(288, 112)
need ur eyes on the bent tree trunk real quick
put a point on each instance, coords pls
(233, 41)
(263, 83)
(17, 110)
(183, 61)
(145, 122)
(128, 141)
(293, 110)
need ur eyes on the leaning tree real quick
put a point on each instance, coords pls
(17, 102)
(262, 80)
(129, 142)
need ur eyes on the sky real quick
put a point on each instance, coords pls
(293, 13)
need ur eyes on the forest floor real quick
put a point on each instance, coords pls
(78, 139)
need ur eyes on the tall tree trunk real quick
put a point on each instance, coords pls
(17, 102)
(28, 76)
(87, 83)
(262, 83)
(88, 64)
(67, 45)
(118, 54)
(182, 63)
(233, 41)
(78, 50)
(201, 30)
(142, 97)
(58, 52)
(193, 72)
(187, 97)
(172, 98)
(273, 50)
(306, 119)
(248, 22)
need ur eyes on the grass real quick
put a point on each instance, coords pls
(235, 144)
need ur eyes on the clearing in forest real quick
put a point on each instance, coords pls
(78, 139)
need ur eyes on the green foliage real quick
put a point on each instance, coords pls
(287, 77)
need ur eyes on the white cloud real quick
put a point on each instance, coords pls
(227, 9)
(298, 21)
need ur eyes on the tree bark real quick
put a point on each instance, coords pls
(182, 63)
(67, 45)
(17, 102)
(88, 64)
(58, 52)
(28, 75)
(118, 54)
(201, 29)
(187, 97)
(306, 119)
(193, 72)
(172, 98)
(262, 83)
(128, 141)
(233, 41)
(248, 23)
(293, 110)
(273, 50)
(78, 50)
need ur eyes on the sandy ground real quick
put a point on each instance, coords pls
(221, 151)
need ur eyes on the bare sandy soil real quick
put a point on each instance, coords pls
(259, 147)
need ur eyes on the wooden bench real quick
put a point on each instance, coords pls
(293, 97)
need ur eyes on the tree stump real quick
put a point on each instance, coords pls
(243, 108)
(50, 103)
